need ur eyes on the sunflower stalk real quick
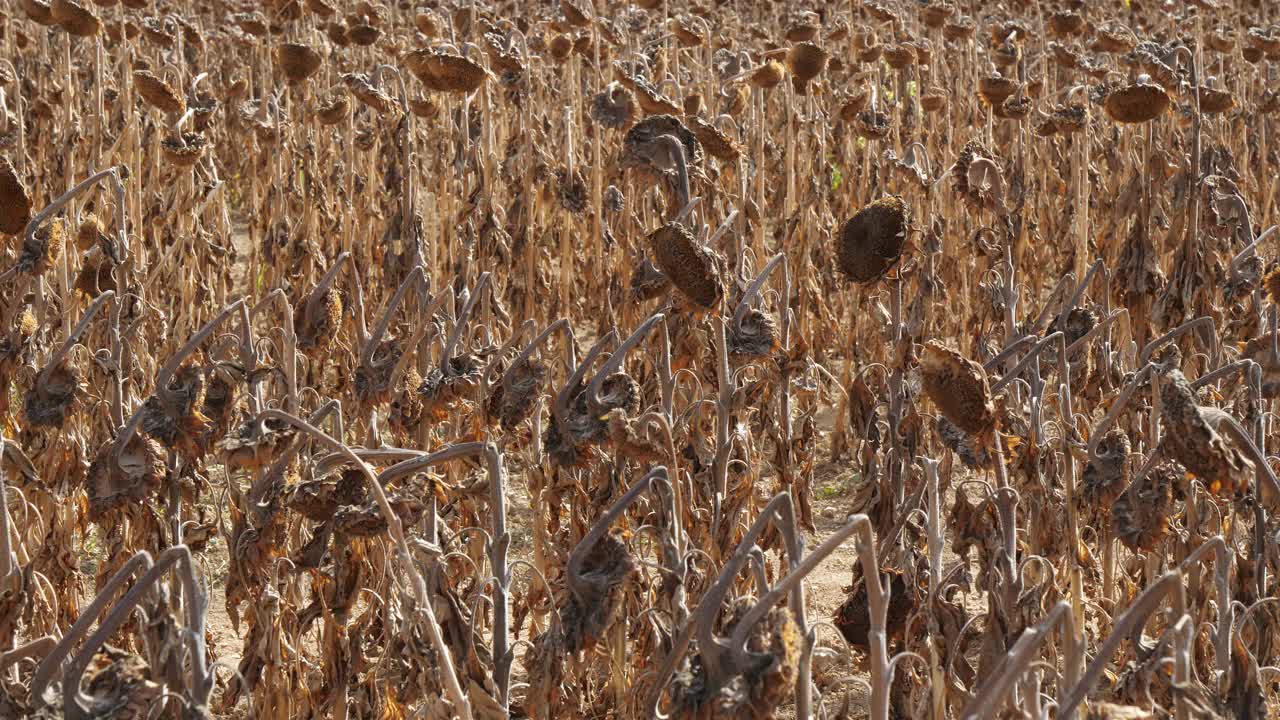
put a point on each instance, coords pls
(499, 543)
(453, 688)
(936, 542)
(196, 694)
(7, 558)
(989, 699)
(461, 322)
(724, 418)
(51, 666)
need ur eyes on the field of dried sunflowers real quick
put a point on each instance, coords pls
(462, 359)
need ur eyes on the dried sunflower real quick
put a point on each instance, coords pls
(255, 444)
(590, 609)
(852, 617)
(442, 389)
(995, 89)
(317, 318)
(754, 336)
(40, 249)
(158, 93)
(774, 644)
(318, 500)
(367, 520)
(363, 35)
(1139, 102)
(647, 281)
(1192, 440)
(173, 414)
(584, 423)
(806, 61)
(512, 401)
(131, 474)
(954, 439)
(367, 93)
(53, 396)
(640, 140)
(184, 151)
(871, 242)
(958, 386)
(75, 18)
(96, 272)
(446, 72)
(767, 75)
(692, 267)
(1140, 516)
(718, 144)
(614, 107)
(298, 62)
(1106, 476)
